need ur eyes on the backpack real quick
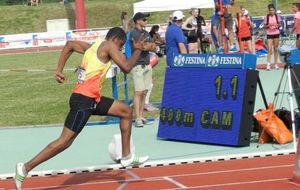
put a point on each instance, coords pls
(276, 16)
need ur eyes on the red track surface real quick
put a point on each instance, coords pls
(268, 173)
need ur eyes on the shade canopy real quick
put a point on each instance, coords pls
(170, 5)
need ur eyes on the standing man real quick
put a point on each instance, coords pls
(86, 99)
(175, 39)
(142, 71)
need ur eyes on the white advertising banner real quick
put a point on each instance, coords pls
(48, 39)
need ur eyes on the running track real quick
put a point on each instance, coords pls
(264, 173)
(267, 173)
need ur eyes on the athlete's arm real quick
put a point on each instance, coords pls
(70, 47)
(119, 59)
(150, 46)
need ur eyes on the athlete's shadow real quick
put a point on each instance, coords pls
(90, 179)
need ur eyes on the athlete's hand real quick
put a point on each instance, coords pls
(138, 44)
(60, 77)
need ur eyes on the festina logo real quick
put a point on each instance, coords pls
(231, 61)
(195, 60)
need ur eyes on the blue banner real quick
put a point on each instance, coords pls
(228, 61)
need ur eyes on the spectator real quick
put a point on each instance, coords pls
(213, 30)
(190, 29)
(200, 23)
(296, 27)
(169, 21)
(159, 42)
(124, 21)
(142, 71)
(34, 2)
(282, 27)
(175, 39)
(128, 49)
(64, 2)
(244, 33)
(272, 24)
(246, 13)
(228, 24)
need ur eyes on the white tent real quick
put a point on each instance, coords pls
(170, 5)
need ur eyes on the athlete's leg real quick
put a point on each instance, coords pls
(121, 110)
(64, 141)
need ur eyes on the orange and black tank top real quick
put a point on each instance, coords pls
(92, 73)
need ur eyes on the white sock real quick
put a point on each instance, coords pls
(127, 157)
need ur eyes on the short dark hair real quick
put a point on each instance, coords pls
(116, 32)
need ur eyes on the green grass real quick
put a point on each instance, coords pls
(99, 13)
(33, 98)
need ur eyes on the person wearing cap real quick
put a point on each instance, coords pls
(142, 71)
(282, 26)
(244, 31)
(175, 39)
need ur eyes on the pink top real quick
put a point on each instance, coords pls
(297, 17)
(272, 30)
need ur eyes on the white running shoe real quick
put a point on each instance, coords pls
(276, 66)
(146, 121)
(134, 160)
(20, 175)
(139, 123)
(150, 107)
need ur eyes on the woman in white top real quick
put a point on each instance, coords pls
(190, 28)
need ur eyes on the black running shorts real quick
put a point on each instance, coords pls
(275, 36)
(246, 39)
(82, 107)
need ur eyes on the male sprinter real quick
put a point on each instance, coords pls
(86, 99)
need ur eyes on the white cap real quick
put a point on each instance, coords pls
(278, 12)
(177, 15)
(246, 12)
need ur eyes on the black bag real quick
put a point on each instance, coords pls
(285, 116)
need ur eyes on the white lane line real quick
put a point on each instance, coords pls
(232, 184)
(158, 178)
(175, 182)
(133, 175)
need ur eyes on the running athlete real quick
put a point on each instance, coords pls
(86, 99)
